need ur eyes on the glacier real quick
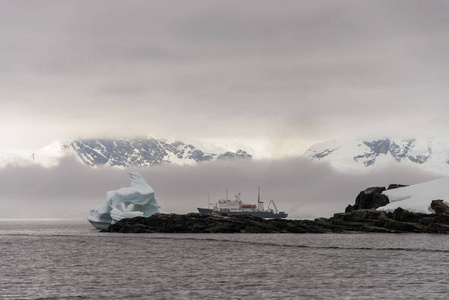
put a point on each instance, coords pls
(127, 202)
(418, 197)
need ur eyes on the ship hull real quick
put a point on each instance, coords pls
(260, 214)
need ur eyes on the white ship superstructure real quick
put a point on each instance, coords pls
(237, 207)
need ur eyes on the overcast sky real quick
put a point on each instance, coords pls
(275, 75)
(284, 73)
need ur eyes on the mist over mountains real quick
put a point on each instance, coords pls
(351, 155)
(302, 187)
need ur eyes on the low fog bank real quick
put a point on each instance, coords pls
(299, 187)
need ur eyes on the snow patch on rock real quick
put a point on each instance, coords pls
(417, 198)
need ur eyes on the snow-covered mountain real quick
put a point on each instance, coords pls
(130, 152)
(345, 155)
(357, 155)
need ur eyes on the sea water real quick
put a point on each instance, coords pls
(69, 259)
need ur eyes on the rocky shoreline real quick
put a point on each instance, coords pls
(360, 217)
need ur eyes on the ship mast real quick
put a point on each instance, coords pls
(259, 203)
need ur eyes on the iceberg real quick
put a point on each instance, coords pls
(128, 202)
(418, 198)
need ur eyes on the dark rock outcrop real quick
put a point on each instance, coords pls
(370, 220)
(395, 186)
(439, 207)
(360, 217)
(370, 198)
(362, 220)
(213, 223)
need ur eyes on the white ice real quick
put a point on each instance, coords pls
(127, 202)
(417, 198)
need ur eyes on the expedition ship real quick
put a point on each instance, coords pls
(236, 207)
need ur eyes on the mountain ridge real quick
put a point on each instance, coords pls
(345, 155)
(365, 154)
(144, 152)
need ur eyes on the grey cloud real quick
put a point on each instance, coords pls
(301, 188)
(304, 22)
(121, 90)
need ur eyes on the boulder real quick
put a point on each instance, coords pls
(439, 207)
(402, 215)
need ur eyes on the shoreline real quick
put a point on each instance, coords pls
(362, 220)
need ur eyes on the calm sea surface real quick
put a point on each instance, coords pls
(71, 260)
